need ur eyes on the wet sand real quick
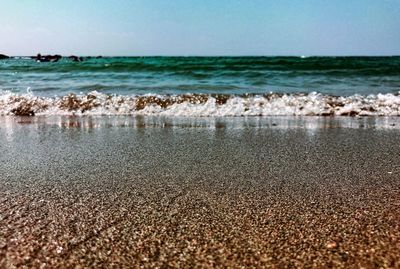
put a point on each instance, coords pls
(131, 192)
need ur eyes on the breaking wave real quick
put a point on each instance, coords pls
(201, 105)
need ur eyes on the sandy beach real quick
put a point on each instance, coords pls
(131, 192)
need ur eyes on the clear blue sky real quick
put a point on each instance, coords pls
(200, 27)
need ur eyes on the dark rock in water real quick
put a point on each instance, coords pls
(47, 58)
(38, 57)
(2, 57)
(93, 57)
(57, 57)
(75, 58)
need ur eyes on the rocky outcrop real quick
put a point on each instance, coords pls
(75, 58)
(47, 58)
(2, 57)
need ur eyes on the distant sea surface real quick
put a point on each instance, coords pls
(202, 86)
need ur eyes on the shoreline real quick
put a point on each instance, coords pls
(141, 121)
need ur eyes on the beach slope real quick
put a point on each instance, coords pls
(125, 192)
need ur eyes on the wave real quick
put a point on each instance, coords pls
(201, 105)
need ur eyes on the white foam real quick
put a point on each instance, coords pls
(95, 103)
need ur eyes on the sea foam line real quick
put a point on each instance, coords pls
(201, 105)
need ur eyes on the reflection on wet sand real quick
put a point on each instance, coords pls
(284, 122)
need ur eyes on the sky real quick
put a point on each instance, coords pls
(200, 27)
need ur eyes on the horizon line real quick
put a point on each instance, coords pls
(216, 55)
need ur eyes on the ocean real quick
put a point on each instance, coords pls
(202, 86)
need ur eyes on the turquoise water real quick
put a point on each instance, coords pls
(341, 76)
(202, 86)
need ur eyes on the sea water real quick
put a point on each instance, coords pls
(202, 86)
